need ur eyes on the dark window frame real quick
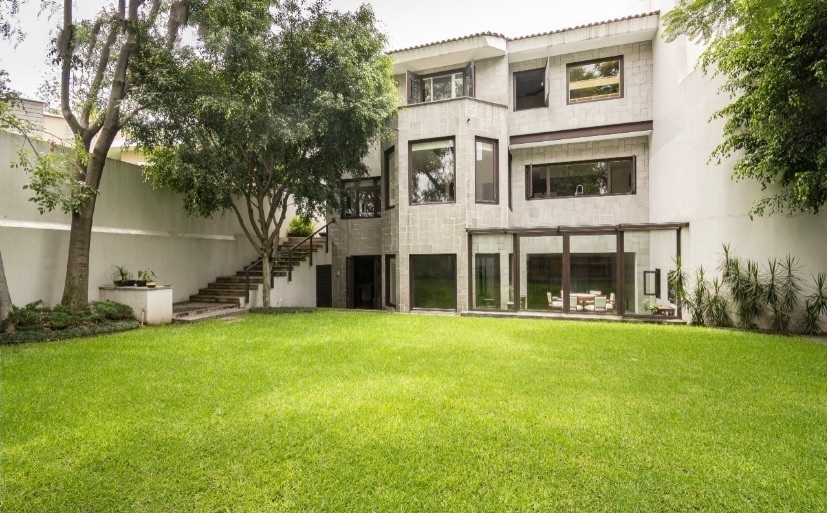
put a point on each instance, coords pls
(411, 282)
(386, 177)
(377, 187)
(595, 61)
(496, 143)
(528, 182)
(514, 86)
(411, 172)
(387, 273)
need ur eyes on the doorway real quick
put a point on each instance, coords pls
(324, 289)
(364, 282)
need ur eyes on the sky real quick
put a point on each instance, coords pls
(406, 23)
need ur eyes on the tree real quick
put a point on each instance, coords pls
(96, 61)
(773, 55)
(276, 107)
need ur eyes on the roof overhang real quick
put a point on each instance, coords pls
(590, 37)
(450, 53)
(578, 135)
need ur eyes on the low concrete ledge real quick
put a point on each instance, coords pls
(151, 305)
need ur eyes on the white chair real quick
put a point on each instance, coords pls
(554, 303)
(610, 305)
(573, 304)
(598, 306)
(595, 293)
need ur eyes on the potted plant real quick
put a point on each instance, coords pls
(145, 278)
(121, 276)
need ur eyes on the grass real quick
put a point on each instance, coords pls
(335, 411)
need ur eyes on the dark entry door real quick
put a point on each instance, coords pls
(324, 286)
(366, 284)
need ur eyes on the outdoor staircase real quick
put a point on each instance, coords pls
(232, 290)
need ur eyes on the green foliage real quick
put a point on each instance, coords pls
(773, 57)
(717, 307)
(37, 316)
(72, 332)
(300, 226)
(146, 275)
(119, 273)
(815, 306)
(278, 105)
(695, 299)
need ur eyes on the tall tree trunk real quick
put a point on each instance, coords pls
(5, 297)
(76, 287)
(266, 266)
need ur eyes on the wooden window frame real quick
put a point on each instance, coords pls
(411, 174)
(387, 278)
(386, 177)
(514, 86)
(595, 61)
(376, 185)
(496, 177)
(529, 168)
(411, 282)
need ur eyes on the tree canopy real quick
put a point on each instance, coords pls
(773, 55)
(274, 108)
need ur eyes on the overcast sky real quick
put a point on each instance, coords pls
(406, 23)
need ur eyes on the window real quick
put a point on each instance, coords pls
(595, 80)
(434, 281)
(360, 198)
(391, 178)
(486, 167)
(443, 85)
(432, 171)
(487, 281)
(592, 178)
(390, 279)
(530, 89)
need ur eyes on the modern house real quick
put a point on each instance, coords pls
(560, 172)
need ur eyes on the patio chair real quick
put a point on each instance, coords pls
(599, 304)
(610, 304)
(573, 304)
(554, 303)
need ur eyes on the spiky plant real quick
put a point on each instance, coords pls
(717, 313)
(782, 285)
(815, 306)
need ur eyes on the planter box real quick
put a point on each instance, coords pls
(154, 306)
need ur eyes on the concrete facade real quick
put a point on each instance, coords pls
(660, 121)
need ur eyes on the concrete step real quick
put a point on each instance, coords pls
(258, 280)
(188, 308)
(220, 310)
(203, 298)
(258, 273)
(234, 292)
(232, 285)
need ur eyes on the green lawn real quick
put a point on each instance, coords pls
(343, 411)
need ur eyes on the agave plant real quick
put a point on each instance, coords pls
(717, 313)
(745, 286)
(782, 286)
(815, 306)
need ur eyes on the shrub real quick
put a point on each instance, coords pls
(111, 311)
(36, 318)
(815, 305)
(300, 227)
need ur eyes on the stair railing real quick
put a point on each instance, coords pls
(310, 238)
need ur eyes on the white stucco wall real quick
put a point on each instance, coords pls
(684, 186)
(135, 226)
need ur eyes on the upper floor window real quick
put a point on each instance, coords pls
(591, 178)
(391, 178)
(443, 85)
(485, 170)
(360, 198)
(595, 80)
(432, 171)
(530, 89)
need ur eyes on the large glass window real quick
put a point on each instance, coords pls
(487, 281)
(595, 80)
(434, 281)
(432, 171)
(541, 273)
(390, 279)
(360, 198)
(443, 87)
(486, 171)
(593, 274)
(530, 89)
(391, 178)
(593, 178)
